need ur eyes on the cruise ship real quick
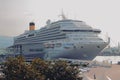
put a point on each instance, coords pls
(66, 38)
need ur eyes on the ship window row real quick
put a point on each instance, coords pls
(81, 31)
(43, 39)
(24, 37)
(35, 50)
(52, 45)
(49, 29)
(20, 38)
(31, 35)
(51, 36)
(55, 38)
(92, 38)
(41, 35)
(41, 32)
(80, 35)
(50, 33)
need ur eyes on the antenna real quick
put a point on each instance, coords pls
(63, 15)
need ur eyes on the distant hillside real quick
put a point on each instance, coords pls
(5, 41)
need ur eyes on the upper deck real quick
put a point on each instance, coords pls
(56, 30)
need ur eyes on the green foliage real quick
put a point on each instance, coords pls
(39, 65)
(61, 71)
(15, 68)
(18, 69)
(32, 74)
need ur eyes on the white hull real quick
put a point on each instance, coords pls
(88, 52)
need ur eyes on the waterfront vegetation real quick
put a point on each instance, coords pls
(18, 69)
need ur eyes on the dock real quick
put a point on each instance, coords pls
(103, 73)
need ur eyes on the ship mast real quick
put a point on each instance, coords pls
(63, 16)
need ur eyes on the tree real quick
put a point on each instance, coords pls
(33, 74)
(17, 69)
(62, 71)
(55, 70)
(40, 68)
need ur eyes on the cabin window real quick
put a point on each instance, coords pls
(35, 50)
(58, 44)
(81, 46)
(98, 46)
(31, 35)
(49, 45)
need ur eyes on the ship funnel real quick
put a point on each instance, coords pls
(31, 26)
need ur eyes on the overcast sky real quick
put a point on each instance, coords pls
(102, 14)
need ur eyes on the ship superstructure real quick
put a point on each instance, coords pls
(65, 38)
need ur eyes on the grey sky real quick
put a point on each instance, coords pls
(16, 14)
